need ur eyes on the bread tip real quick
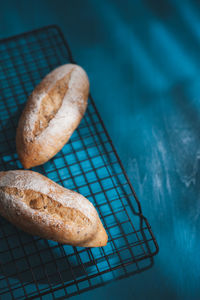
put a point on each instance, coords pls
(26, 165)
(100, 239)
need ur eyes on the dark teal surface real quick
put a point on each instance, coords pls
(143, 60)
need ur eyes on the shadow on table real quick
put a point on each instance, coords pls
(27, 260)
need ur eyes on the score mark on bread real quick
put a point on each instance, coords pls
(50, 104)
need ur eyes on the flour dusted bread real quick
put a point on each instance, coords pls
(52, 113)
(41, 207)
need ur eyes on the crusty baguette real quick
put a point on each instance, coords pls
(41, 207)
(52, 113)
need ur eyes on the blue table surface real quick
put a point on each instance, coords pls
(143, 61)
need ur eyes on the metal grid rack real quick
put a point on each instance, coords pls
(32, 267)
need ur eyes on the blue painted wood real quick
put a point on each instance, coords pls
(143, 60)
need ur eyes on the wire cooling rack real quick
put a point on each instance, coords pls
(31, 267)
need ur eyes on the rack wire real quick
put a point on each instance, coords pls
(31, 267)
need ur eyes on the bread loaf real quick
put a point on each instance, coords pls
(41, 207)
(52, 113)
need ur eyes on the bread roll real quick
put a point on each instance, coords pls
(41, 207)
(52, 113)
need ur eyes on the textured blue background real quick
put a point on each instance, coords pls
(143, 60)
